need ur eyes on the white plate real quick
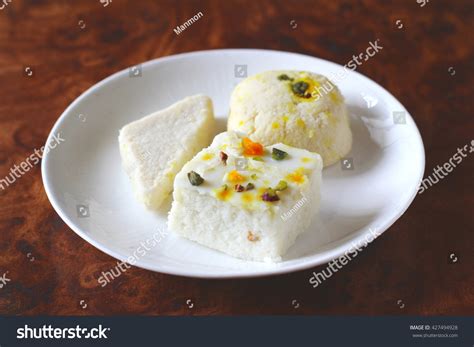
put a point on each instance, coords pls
(84, 172)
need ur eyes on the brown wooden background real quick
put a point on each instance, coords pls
(407, 270)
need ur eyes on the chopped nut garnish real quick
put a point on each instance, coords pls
(282, 185)
(278, 154)
(239, 188)
(270, 195)
(250, 186)
(252, 237)
(223, 157)
(300, 88)
(284, 77)
(195, 178)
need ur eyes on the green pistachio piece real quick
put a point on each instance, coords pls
(282, 185)
(195, 178)
(284, 77)
(270, 195)
(278, 154)
(250, 186)
(300, 88)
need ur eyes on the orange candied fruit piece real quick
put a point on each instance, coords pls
(251, 148)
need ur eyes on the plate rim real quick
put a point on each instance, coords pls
(322, 259)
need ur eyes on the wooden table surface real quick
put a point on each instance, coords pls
(426, 62)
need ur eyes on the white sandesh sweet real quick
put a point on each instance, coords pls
(298, 108)
(238, 203)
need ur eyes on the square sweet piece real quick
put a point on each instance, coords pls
(246, 200)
